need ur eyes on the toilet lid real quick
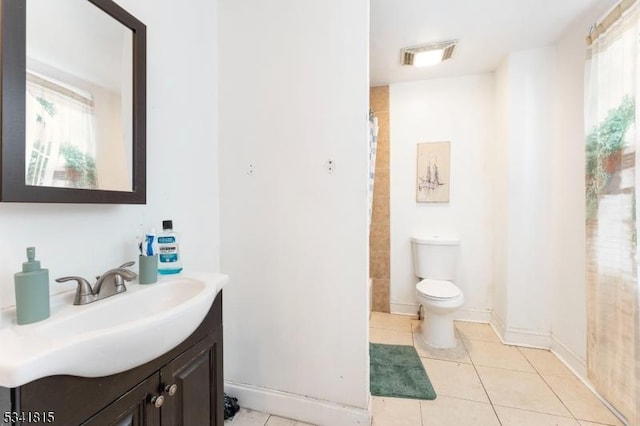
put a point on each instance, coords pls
(438, 289)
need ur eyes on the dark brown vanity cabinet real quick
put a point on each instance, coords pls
(133, 409)
(181, 393)
(192, 374)
(183, 387)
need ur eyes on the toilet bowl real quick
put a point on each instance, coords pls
(440, 300)
(434, 260)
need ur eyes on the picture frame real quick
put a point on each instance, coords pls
(433, 180)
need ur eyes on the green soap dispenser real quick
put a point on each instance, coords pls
(32, 290)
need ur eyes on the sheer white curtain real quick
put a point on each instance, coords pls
(55, 116)
(613, 326)
(373, 146)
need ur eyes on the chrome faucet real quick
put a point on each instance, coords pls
(110, 283)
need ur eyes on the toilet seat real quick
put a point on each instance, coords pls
(438, 289)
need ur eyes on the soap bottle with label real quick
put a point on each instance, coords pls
(168, 250)
(32, 291)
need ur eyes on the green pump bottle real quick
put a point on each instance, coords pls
(32, 291)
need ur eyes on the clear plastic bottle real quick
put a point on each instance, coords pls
(168, 250)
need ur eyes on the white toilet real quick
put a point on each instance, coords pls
(434, 260)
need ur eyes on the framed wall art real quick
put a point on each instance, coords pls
(434, 165)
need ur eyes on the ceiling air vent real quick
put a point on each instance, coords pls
(407, 57)
(427, 54)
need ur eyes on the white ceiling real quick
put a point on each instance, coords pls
(486, 29)
(78, 38)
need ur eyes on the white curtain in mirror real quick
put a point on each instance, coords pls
(60, 135)
(79, 46)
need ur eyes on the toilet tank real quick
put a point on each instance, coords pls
(434, 256)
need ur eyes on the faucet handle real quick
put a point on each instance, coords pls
(126, 275)
(84, 292)
(127, 264)
(123, 274)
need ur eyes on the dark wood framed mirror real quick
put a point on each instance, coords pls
(73, 110)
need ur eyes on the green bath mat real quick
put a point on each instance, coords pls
(397, 371)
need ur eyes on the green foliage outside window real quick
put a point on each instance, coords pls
(604, 143)
(81, 165)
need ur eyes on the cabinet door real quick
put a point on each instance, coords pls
(197, 379)
(134, 408)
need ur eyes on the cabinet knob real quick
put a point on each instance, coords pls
(157, 401)
(171, 389)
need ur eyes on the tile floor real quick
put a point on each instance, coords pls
(246, 417)
(481, 382)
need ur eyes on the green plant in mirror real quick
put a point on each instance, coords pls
(604, 149)
(48, 107)
(80, 166)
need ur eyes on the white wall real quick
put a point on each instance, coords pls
(503, 142)
(459, 110)
(534, 188)
(499, 151)
(539, 293)
(522, 196)
(528, 243)
(182, 164)
(568, 206)
(294, 91)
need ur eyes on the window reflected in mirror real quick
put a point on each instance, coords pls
(78, 97)
(60, 135)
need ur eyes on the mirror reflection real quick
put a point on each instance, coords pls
(78, 97)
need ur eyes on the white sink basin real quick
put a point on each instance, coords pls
(108, 336)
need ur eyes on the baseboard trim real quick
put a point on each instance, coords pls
(518, 336)
(473, 315)
(464, 314)
(527, 338)
(578, 366)
(403, 308)
(498, 325)
(573, 361)
(298, 407)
